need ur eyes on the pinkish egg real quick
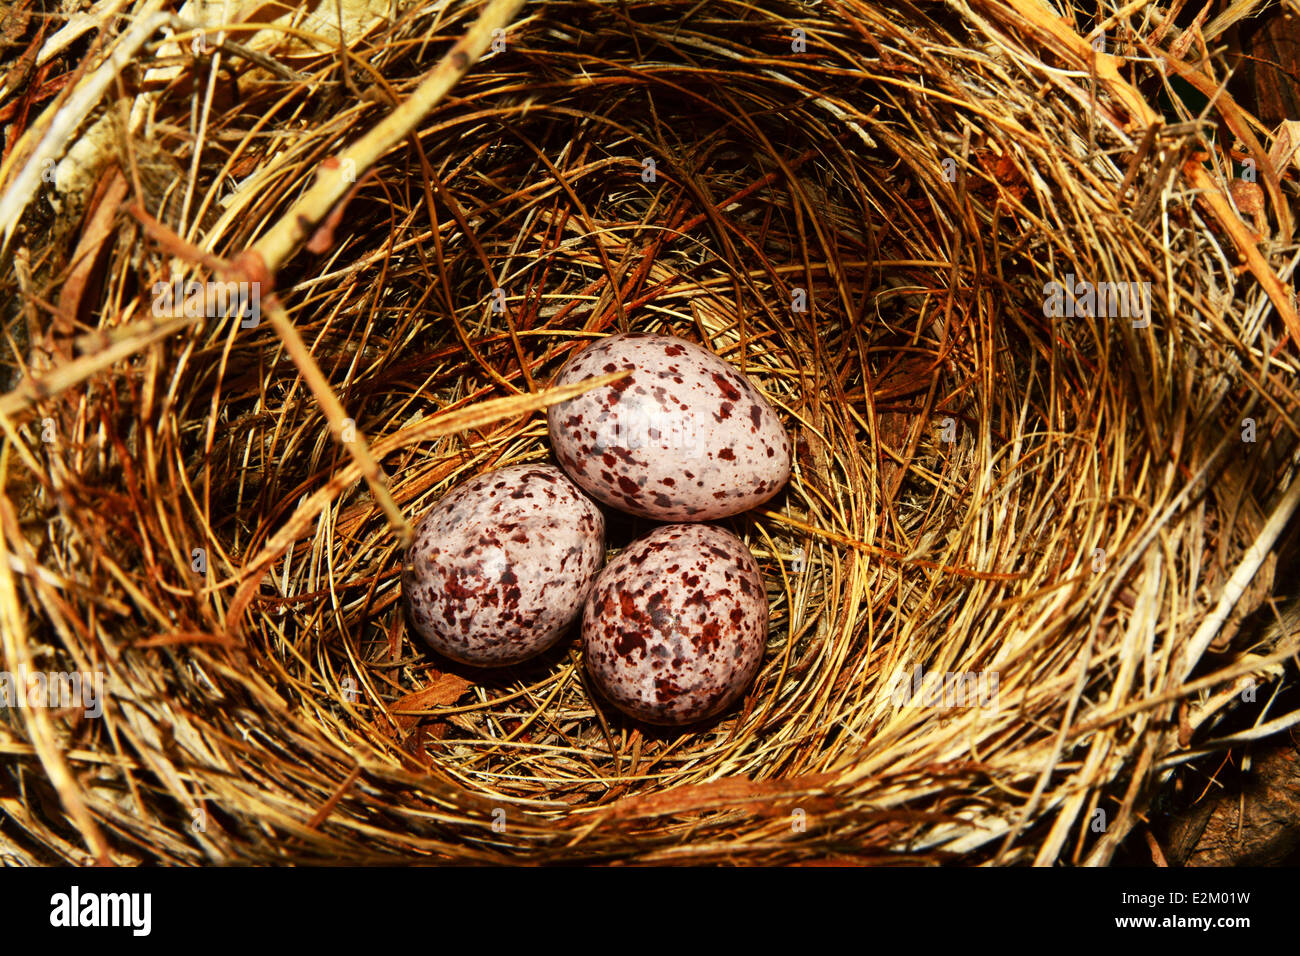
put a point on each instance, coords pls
(685, 437)
(674, 628)
(501, 565)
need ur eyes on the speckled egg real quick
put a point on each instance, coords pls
(685, 437)
(674, 628)
(501, 565)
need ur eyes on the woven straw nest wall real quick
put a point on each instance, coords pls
(863, 215)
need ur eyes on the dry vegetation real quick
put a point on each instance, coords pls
(865, 224)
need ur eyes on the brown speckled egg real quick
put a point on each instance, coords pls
(685, 437)
(674, 628)
(501, 565)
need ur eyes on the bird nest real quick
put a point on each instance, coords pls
(1021, 308)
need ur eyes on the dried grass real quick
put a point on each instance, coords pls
(920, 173)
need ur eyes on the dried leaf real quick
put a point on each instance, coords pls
(1286, 146)
(444, 691)
(101, 225)
(1249, 198)
(731, 793)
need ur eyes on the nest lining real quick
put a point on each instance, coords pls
(866, 228)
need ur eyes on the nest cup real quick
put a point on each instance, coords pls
(1007, 516)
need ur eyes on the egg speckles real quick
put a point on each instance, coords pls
(500, 566)
(674, 628)
(685, 437)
